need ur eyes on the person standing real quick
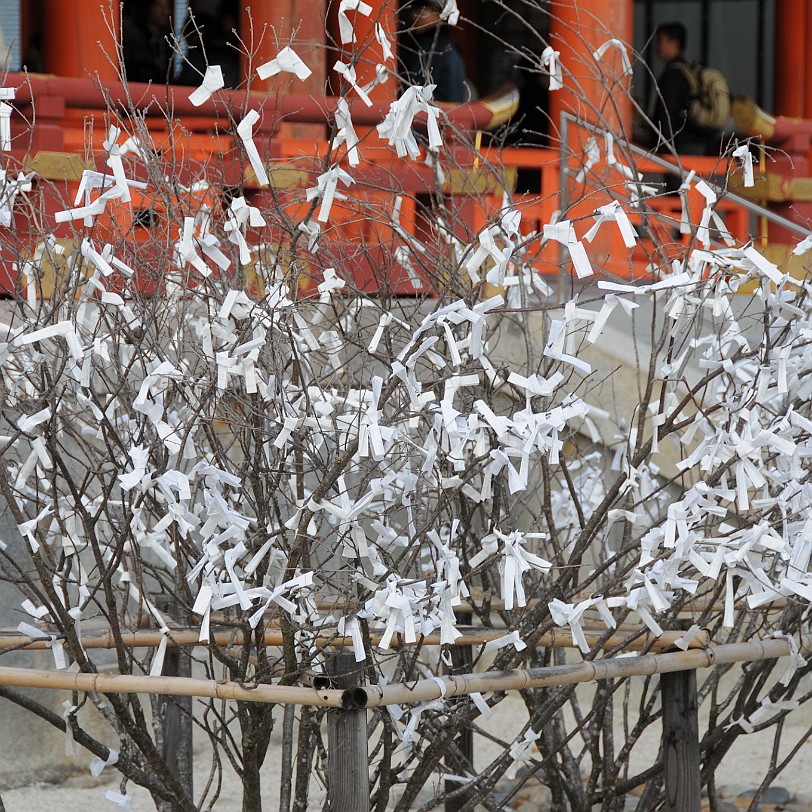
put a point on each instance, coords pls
(146, 30)
(213, 40)
(429, 56)
(673, 127)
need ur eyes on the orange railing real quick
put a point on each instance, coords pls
(60, 123)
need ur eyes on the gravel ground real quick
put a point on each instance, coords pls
(741, 770)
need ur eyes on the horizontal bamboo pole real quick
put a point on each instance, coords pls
(167, 686)
(471, 636)
(616, 667)
(498, 605)
(403, 693)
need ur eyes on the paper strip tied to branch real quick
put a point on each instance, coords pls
(708, 214)
(124, 802)
(511, 639)
(564, 232)
(515, 562)
(186, 252)
(396, 128)
(350, 627)
(398, 605)
(803, 246)
(212, 81)
(550, 59)
(9, 189)
(91, 179)
(348, 72)
(613, 212)
(5, 126)
(326, 188)
(51, 641)
(245, 129)
(556, 345)
(98, 764)
(383, 41)
(624, 54)
(567, 614)
(63, 329)
(287, 61)
(68, 715)
(520, 752)
(592, 151)
(346, 30)
(450, 13)
(240, 216)
(746, 158)
(345, 132)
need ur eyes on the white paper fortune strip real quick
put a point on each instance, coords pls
(286, 61)
(212, 81)
(348, 72)
(245, 129)
(345, 132)
(346, 30)
(564, 232)
(624, 54)
(5, 126)
(550, 59)
(746, 157)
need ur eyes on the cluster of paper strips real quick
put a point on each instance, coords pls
(266, 451)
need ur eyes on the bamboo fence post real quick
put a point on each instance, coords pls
(347, 751)
(681, 764)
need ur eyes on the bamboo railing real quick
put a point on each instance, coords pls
(404, 693)
(588, 671)
(168, 686)
(627, 637)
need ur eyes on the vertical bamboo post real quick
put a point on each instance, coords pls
(348, 754)
(462, 658)
(681, 742)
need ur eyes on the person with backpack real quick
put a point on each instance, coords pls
(692, 103)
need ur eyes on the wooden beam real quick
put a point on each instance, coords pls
(347, 752)
(681, 767)
(462, 659)
(175, 713)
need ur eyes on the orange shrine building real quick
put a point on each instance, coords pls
(760, 45)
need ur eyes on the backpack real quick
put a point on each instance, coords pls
(709, 108)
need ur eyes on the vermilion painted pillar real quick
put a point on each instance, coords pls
(79, 38)
(598, 91)
(595, 90)
(367, 50)
(792, 83)
(267, 26)
(807, 66)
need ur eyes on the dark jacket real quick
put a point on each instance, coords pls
(147, 56)
(670, 116)
(430, 57)
(210, 44)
